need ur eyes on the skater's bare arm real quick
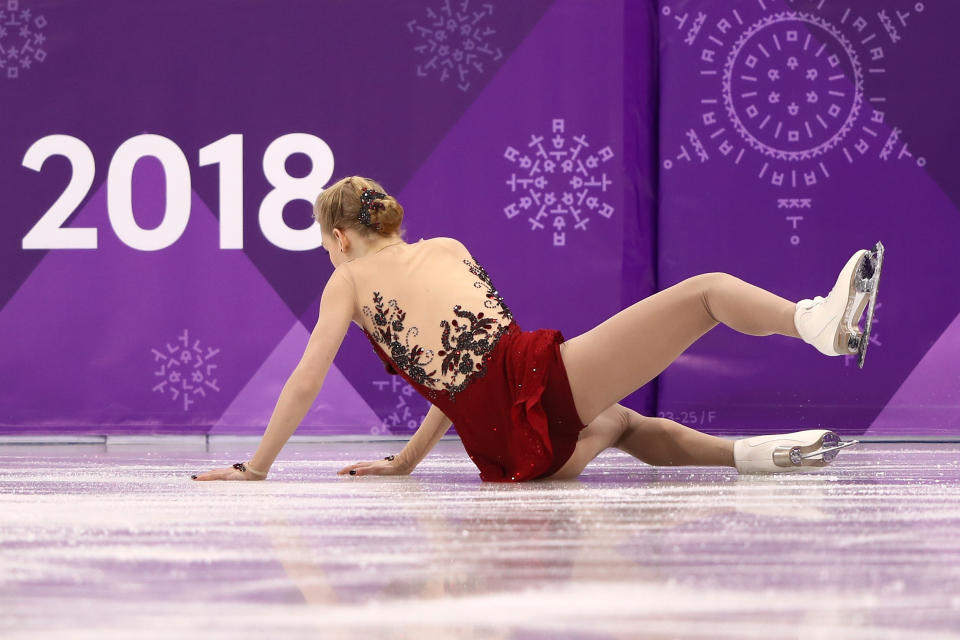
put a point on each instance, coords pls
(434, 425)
(303, 385)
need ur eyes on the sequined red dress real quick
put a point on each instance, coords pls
(505, 389)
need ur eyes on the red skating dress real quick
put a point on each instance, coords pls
(505, 389)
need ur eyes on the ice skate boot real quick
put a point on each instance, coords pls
(801, 451)
(831, 324)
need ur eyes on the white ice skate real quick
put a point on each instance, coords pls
(801, 451)
(831, 324)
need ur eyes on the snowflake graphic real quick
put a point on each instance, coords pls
(787, 96)
(814, 130)
(185, 370)
(455, 42)
(795, 88)
(559, 177)
(21, 39)
(408, 412)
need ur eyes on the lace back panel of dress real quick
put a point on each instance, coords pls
(443, 347)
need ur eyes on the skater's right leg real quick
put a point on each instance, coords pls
(620, 355)
(655, 441)
(663, 442)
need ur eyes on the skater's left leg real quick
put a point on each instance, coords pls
(626, 351)
(656, 441)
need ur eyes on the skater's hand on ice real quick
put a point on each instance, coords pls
(227, 473)
(375, 468)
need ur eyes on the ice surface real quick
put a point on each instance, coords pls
(116, 541)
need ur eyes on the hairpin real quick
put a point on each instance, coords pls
(367, 198)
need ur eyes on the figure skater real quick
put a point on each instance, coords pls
(529, 404)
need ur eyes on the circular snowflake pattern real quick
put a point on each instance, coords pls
(792, 85)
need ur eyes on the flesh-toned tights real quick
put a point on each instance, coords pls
(626, 351)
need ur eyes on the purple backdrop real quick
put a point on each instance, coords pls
(512, 126)
(589, 153)
(792, 134)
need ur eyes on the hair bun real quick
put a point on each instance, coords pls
(349, 204)
(388, 216)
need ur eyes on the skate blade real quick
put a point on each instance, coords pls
(869, 282)
(857, 285)
(819, 453)
(823, 452)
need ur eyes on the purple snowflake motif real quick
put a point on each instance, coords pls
(21, 39)
(455, 42)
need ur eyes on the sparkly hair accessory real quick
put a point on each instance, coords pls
(367, 198)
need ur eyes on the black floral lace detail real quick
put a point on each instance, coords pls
(467, 346)
(389, 327)
(494, 299)
(462, 344)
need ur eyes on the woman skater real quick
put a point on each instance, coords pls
(529, 404)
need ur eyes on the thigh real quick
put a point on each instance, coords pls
(601, 433)
(626, 351)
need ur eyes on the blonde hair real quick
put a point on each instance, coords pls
(338, 206)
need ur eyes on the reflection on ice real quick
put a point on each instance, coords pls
(118, 541)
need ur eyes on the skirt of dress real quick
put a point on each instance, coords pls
(518, 420)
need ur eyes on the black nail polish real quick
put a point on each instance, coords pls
(194, 477)
(353, 472)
